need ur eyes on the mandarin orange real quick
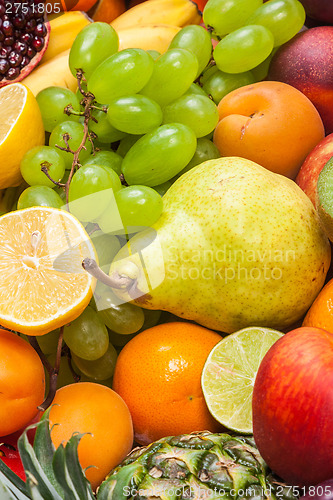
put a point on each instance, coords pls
(158, 374)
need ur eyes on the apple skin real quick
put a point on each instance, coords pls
(321, 10)
(308, 174)
(306, 62)
(293, 407)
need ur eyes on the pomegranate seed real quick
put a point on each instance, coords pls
(27, 38)
(15, 59)
(12, 73)
(4, 52)
(31, 52)
(30, 26)
(20, 47)
(7, 28)
(9, 40)
(4, 66)
(38, 43)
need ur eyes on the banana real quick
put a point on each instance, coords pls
(147, 37)
(53, 72)
(64, 28)
(173, 12)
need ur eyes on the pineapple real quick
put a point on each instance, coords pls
(189, 467)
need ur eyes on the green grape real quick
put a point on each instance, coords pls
(219, 84)
(119, 340)
(195, 89)
(196, 111)
(224, 16)
(138, 206)
(152, 317)
(39, 196)
(107, 246)
(174, 71)
(284, 18)
(108, 159)
(98, 369)
(159, 155)
(209, 71)
(243, 49)
(123, 318)
(90, 190)
(134, 114)
(75, 132)
(92, 46)
(126, 143)
(162, 188)
(206, 150)
(123, 73)
(154, 53)
(49, 342)
(87, 335)
(35, 159)
(196, 39)
(105, 132)
(52, 102)
(260, 72)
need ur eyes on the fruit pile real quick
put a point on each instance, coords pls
(166, 197)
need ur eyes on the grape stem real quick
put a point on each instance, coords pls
(117, 281)
(53, 371)
(44, 169)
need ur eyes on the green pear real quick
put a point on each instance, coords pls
(235, 246)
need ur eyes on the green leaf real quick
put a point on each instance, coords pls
(8, 476)
(81, 484)
(32, 466)
(9, 487)
(44, 449)
(62, 474)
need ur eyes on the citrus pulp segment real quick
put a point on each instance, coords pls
(229, 373)
(43, 285)
(21, 129)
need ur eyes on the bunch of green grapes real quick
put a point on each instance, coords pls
(248, 34)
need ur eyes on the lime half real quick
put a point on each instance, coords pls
(229, 373)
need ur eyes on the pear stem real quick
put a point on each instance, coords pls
(117, 281)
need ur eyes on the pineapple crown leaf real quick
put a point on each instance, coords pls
(11, 484)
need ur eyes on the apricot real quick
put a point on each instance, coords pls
(270, 123)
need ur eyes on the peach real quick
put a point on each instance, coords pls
(270, 123)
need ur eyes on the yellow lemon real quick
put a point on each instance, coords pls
(21, 128)
(42, 283)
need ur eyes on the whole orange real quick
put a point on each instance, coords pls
(22, 382)
(320, 314)
(158, 374)
(96, 410)
(265, 122)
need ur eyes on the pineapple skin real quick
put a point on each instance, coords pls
(195, 466)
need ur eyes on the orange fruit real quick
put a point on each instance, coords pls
(320, 314)
(158, 374)
(43, 285)
(101, 414)
(22, 383)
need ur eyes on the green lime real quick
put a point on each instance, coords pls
(229, 373)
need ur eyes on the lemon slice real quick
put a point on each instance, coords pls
(229, 373)
(42, 283)
(21, 128)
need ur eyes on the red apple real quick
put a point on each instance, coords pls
(321, 10)
(314, 163)
(293, 407)
(306, 62)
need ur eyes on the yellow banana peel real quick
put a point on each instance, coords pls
(54, 72)
(147, 37)
(172, 12)
(64, 28)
